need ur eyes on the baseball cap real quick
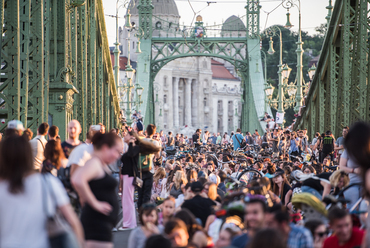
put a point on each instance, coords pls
(278, 172)
(15, 124)
(196, 187)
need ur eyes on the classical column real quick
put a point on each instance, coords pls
(194, 104)
(187, 102)
(225, 116)
(176, 102)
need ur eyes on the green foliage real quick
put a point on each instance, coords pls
(312, 47)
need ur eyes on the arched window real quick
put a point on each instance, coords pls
(158, 25)
(164, 98)
(205, 102)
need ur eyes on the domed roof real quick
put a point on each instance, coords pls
(161, 7)
(233, 23)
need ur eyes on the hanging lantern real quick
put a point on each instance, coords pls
(271, 47)
(288, 24)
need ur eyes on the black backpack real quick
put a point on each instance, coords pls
(64, 175)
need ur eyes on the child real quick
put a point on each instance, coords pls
(168, 209)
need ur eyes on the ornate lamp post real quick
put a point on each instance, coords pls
(288, 4)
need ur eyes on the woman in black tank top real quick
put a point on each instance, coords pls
(96, 188)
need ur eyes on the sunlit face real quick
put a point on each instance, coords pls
(224, 239)
(168, 208)
(341, 182)
(127, 138)
(344, 132)
(342, 228)
(254, 215)
(150, 218)
(74, 129)
(178, 237)
(307, 171)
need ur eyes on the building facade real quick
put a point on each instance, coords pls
(192, 92)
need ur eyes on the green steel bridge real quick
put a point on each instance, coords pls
(340, 91)
(56, 65)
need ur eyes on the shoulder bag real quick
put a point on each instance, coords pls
(242, 144)
(59, 231)
(138, 182)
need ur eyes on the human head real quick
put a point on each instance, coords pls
(278, 218)
(154, 240)
(148, 214)
(326, 161)
(192, 176)
(211, 190)
(238, 130)
(196, 187)
(177, 232)
(339, 179)
(267, 238)
(54, 153)
(74, 129)
(318, 230)
(14, 127)
(102, 129)
(43, 129)
(225, 237)
(108, 145)
(16, 162)
(28, 134)
(53, 132)
(150, 130)
(345, 131)
(308, 169)
(255, 208)
(169, 206)
(258, 166)
(341, 223)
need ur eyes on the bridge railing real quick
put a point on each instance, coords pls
(55, 64)
(340, 92)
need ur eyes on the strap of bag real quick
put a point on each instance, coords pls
(236, 136)
(41, 143)
(141, 176)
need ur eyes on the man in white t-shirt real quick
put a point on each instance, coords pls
(38, 146)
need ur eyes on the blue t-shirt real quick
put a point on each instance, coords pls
(235, 142)
(240, 241)
(293, 146)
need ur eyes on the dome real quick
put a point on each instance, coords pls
(161, 7)
(233, 23)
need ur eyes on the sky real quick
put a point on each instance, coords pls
(313, 13)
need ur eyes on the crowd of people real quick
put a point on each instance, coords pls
(281, 189)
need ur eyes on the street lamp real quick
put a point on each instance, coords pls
(288, 4)
(139, 92)
(311, 72)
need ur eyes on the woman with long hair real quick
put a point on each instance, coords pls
(192, 176)
(282, 188)
(158, 177)
(54, 156)
(178, 180)
(97, 191)
(339, 179)
(23, 196)
(129, 171)
(308, 169)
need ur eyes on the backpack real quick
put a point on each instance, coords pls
(64, 175)
(145, 163)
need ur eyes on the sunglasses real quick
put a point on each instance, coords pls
(322, 234)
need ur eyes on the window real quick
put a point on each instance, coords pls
(230, 106)
(219, 105)
(205, 102)
(165, 81)
(164, 98)
(158, 25)
(133, 45)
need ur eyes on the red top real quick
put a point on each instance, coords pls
(355, 240)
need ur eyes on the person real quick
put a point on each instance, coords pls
(214, 139)
(146, 167)
(225, 237)
(148, 218)
(196, 138)
(267, 238)
(154, 240)
(97, 191)
(28, 134)
(54, 157)
(53, 133)
(254, 216)
(38, 146)
(339, 180)
(178, 181)
(282, 188)
(158, 177)
(219, 139)
(278, 218)
(294, 142)
(74, 130)
(23, 194)
(344, 233)
(308, 169)
(176, 232)
(197, 236)
(249, 139)
(339, 143)
(328, 146)
(318, 231)
(167, 210)
(14, 127)
(170, 142)
(199, 206)
(237, 139)
(163, 138)
(129, 171)
(275, 138)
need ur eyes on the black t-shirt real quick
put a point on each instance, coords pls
(316, 183)
(196, 139)
(67, 148)
(328, 144)
(285, 191)
(200, 207)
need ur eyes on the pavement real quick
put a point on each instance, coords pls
(120, 239)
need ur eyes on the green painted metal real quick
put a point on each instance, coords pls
(340, 92)
(46, 66)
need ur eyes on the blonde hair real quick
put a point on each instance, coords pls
(335, 177)
(180, 178)
(212, 190)
(160, 173)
